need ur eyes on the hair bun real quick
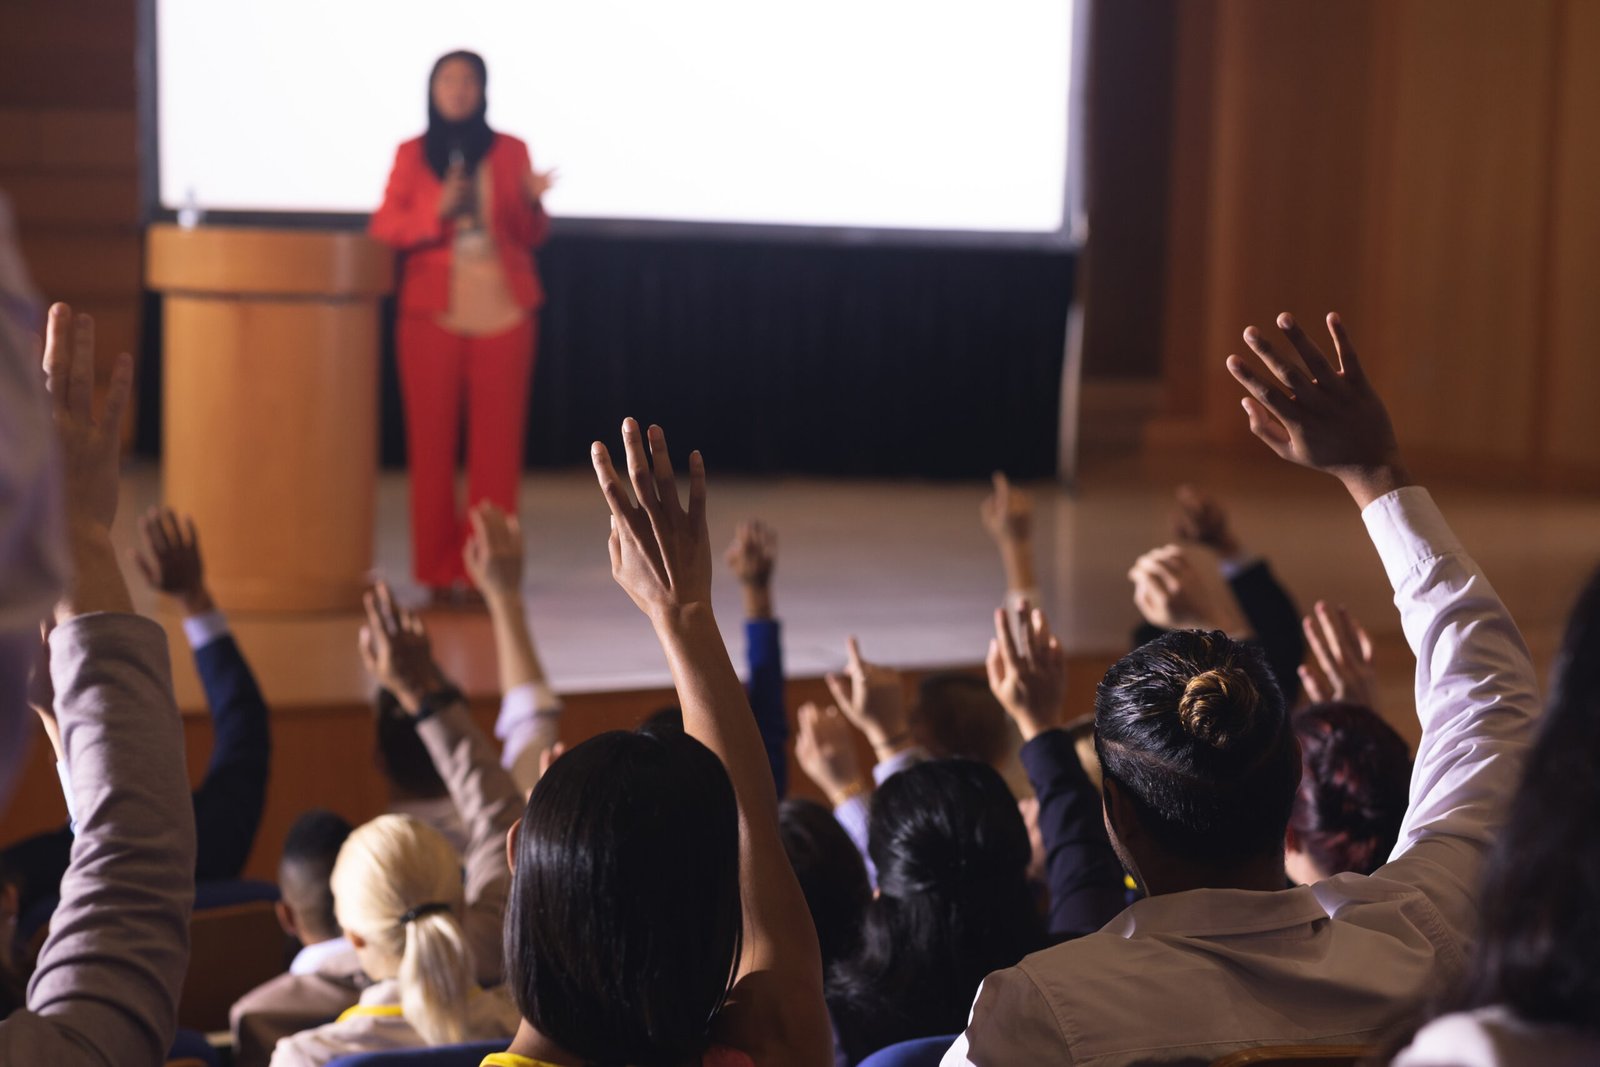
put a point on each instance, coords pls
(1219, 706)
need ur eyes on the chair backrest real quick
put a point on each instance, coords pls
(1296, 1056)
(918, 1052)
(468, 1055)
(235, 945)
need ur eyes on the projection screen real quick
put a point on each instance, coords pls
(841, 119)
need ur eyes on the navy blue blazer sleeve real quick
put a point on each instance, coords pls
(1083, 873)
(764, 651)
(228, 804)
(1276, 622)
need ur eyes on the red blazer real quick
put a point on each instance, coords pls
(409, 221)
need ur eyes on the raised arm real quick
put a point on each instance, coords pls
(752, 558)
(661, 555)
(229, 801)
(1027, 671)
(396, 652)
(530, 712)
(1007, 516)
(1477, 696)
(106, 988)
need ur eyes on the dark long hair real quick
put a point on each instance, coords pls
(831, 874)
(1540, 932)
(953, 905)
(471, 136)
(1192, 727)
(624, 924)
(1353, 792)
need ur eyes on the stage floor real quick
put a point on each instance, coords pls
(907, 567)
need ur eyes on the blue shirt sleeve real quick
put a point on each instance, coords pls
(764, 650)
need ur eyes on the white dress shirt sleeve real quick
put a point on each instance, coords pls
(529, 723)
(1477, 699)
(205, 628)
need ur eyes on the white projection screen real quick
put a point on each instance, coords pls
(855, 119)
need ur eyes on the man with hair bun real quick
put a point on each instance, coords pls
(1201, 767)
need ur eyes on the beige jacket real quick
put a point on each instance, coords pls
(290, 1003)
(489, 804)
(106, 988)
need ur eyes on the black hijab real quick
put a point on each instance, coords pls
(471, 136)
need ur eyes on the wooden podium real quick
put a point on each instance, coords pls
(271, 406)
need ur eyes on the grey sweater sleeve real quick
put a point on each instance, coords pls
(489, 804)
(109, 975)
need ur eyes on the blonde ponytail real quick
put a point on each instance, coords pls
(436, 978)
(397, 885)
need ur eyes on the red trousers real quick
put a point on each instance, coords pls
(438, 371)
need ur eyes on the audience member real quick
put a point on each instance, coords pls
(1201, 769)
(426, 940)
(830, 872)
(718, 962)
(530, 711)
(1356, 769)
(106, 985)
(231, 796)
(953, 904)
(1027, 670)
(325, 977)
(752, 557)
(1531, 992)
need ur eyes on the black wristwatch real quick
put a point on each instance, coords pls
(437, 700)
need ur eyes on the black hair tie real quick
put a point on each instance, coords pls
(421, 910)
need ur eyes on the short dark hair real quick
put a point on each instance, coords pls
(1192, 727)
(953, 904)
(669, 717)
(305, 870)
(404, 758)
(830, 871)
(624, 925)
(955, 716)
(1354, 787)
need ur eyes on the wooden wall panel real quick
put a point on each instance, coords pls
(1457, 259)
(1572, 390)
(1286, 190)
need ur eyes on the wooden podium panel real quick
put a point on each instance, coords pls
(271, 407)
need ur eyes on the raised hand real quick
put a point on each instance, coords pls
(91, 456)
(826, 752)
(91, 447)
(660, 552)
(396, 651)
(1199, 519)
(1027, 670)
(1343, 652)
(494, 553)
(1007, 512)
(873, 698)
(1319, 415)
(169, 558)
(1178, 587)
(752, 558)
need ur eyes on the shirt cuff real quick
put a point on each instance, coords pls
(522, 703)
(1233, 566)
(205, 628)
(905, 759)
(1408, 530)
